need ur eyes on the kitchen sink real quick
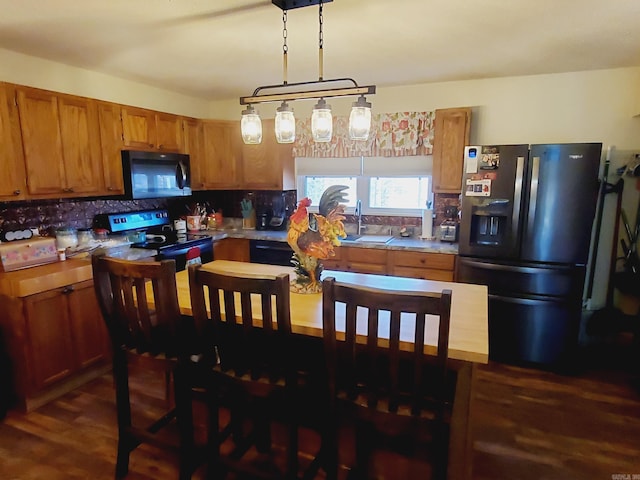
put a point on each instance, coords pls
(350, 238)
(370, 239)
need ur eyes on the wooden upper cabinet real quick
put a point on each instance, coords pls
(139, 128)
(60, 142)
(193, 140)
(269, 165)
(111, 144)
(220, 164)
(451, 135)
(80, 144)
(13, 178)
(170, 133)
(41, 141)
(149, 130)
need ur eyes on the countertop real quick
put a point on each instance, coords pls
(29, 281)
(398, 243)
(468, 338)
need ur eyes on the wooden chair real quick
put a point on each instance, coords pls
(395, 396)
(136, 329)
(247, 365)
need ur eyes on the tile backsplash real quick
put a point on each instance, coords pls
(46, 215)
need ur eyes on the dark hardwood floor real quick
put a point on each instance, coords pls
(528, 425)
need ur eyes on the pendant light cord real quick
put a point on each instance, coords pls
(285, 47)
(320, 44)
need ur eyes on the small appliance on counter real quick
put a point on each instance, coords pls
(450, 226)
(273, 216)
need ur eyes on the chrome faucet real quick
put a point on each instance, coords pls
(358, 213)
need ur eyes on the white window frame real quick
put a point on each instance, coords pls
(364, 168)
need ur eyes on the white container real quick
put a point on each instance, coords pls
(66, 237)
(85, 237)
(427, 224)
(180, 226)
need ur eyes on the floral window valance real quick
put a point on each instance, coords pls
(392, 135)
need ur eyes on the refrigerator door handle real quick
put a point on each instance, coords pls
(525, 301)
(533, 195)
(517, 196)
(513, 268)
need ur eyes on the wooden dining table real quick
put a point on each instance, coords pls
(468, 337)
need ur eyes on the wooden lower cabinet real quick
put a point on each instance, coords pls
(401, 263)
(365, 260)
(425, 265)
(236, 249)
(54, 339)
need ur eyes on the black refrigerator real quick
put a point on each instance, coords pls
(525, 232)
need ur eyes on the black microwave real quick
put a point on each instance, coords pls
(156, 174)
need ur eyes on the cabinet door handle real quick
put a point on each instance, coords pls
(67, 290)
(17, 192)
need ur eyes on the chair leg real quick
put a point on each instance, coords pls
(292, 450)
(122, 462)
(364, 437)
(262, 430)
(215, 469)
(184, 417)
(123, 407)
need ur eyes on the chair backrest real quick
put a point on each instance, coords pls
(232, 335)
(121, 287)
(373, 371)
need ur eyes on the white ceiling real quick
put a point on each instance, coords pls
(220, 49)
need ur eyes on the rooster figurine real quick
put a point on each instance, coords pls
(314, 236)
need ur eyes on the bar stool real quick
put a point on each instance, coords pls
(160, 334)
(388, 391)
(246, 362)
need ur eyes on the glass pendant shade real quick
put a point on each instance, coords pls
(251, 126)
(285, 124)
(322, 122)
(360, 120)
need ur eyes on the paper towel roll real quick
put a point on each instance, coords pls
(427, 223)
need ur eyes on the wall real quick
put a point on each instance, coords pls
(39, 73)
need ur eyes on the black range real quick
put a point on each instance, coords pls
(153, 229)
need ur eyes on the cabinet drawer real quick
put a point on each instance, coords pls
(332, 265)
(424, 273)
(362, 267)
(366, 255)
(438, 261)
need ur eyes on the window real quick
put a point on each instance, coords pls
(399, 192)
(314, 186)
(386, 186)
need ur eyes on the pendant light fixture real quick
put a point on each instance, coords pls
(285, 124)
(251, 126)
(322, 122)
(321, 118)
(360, 119)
